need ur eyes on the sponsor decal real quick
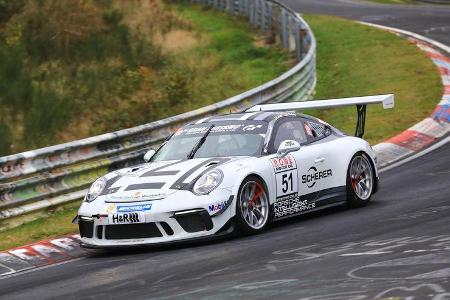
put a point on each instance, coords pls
(213, 208)
(110, 208)
(289, 143)
(125, 218)
(286, 175)
(139, 195)
(285, 163)
(313, 176)
(291, 204)
(189, 131)
(251, 127)
(226, 128)
(234, 127)
(133, 208)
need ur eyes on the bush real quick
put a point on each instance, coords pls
(15, 83)
(47, 114)
(5, 139)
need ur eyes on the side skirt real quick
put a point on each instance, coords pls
(326, 198)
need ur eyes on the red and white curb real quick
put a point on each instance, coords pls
(40, 254)
(437, 125)
(411, 141)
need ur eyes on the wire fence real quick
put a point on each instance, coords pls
(54, 175)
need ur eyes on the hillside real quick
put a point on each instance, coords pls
(73, 69)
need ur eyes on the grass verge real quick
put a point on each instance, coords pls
(352, 60)
(51, 224)
(358, 60)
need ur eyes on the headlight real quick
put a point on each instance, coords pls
(96, 189)
(207, 182)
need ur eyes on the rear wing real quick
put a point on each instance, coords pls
(360, 102)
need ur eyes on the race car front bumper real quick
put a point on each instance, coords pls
(162, 223)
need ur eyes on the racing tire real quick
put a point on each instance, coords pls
(360, 181)
(252, 206)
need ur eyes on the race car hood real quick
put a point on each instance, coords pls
(157, 180)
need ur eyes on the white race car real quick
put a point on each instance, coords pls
(233, 172)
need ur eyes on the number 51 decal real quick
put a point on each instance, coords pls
(286, 175)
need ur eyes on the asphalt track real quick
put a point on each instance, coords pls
(398, 246)
(432, 21)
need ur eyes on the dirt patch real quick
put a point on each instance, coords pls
(261, 41)
(178, 40)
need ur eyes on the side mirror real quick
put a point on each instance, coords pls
(149, 155)
(287, 147)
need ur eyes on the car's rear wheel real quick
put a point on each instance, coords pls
(360, 181)
(252, 209)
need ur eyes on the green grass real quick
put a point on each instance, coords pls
(53, 224)
(357, 60)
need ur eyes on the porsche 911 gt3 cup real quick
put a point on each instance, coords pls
(233, 172)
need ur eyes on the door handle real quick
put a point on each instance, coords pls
(319, 160)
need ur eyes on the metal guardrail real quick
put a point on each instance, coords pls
(58, 174)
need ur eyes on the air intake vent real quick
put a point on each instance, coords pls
(195, 221)
(132, 231)
(86, 228)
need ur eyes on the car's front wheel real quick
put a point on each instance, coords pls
(252, 209)
(360, 181)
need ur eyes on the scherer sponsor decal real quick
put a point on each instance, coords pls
(283, 163)
(314, 175)
(133, 208)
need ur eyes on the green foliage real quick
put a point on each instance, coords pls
(72, 69)
(5, 139)
(15, 83)
(45, 116)
(357, 60)
(9, 7)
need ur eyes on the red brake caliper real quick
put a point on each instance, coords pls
(354, 182)
(258, 191)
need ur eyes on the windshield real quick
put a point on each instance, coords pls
(232, 138)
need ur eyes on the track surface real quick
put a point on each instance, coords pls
(397, 246)
(432, 21)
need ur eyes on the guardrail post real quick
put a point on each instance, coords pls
(252, 12)
(241, 7)
(264, 16)
(258, 13)
(304, 40)
(284, 33)
(298, 43)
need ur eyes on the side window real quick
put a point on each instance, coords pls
(315, 130)
(291, 129)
